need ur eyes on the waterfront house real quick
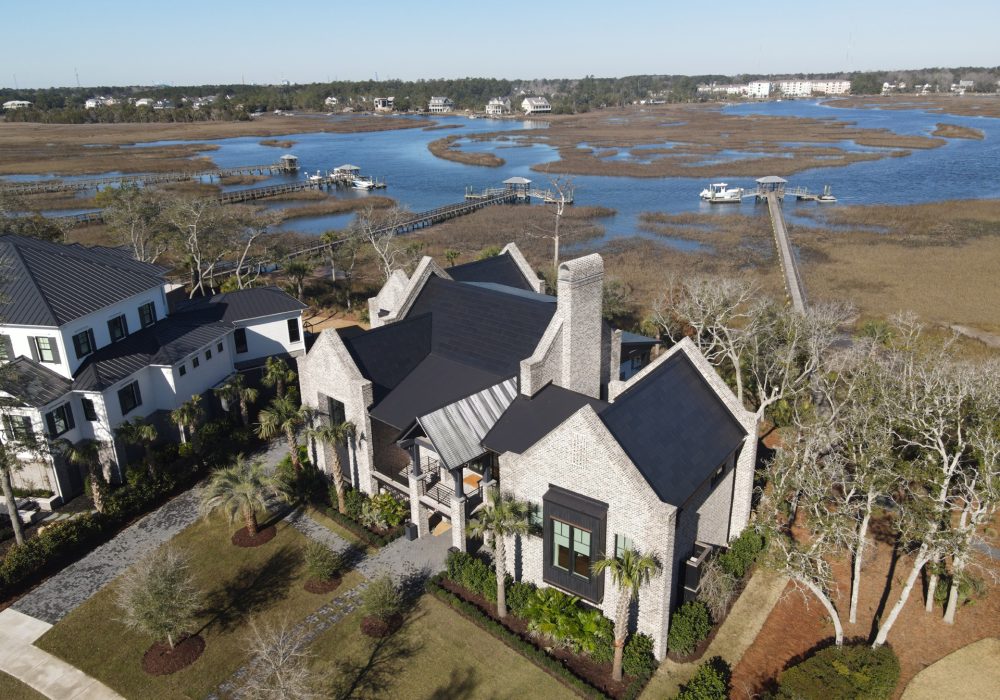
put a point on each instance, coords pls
(92, 342)
(331, 102)
(16, 104)
(144, 102)
(535, 105)
(440, 105)
(498, 106)
(472, 378)
(384, 104)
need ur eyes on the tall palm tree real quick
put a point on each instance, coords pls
(139, 432)
(630, 573)
(298, 270)
(277, 374)
(236, 391)
(503, 515)
(240, 490)
(87, 453)
(187, 416)
(284, 415)
(333, 436)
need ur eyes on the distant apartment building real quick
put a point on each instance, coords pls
(440, 105)
(759, 89)
(384, 104)
(722, 89)
(807, 88)
(535, 105)
(498, 106)
(795, 88)
(16, 104)
(831, 87)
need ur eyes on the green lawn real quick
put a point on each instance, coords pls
(437, 654)
(335, 527)
(13, 689)
(264, 581)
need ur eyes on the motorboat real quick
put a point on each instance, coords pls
(722, 193)
(363, 183)
(827, 196)
(318, 177)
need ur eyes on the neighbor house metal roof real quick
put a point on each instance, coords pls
(50, 284)
(247, 304)
(32, 383)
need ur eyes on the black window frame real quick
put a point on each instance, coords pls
(294, 332)
(88, 336)
(218, 348)
(208, 354)
(89, 410)
(64, 415)
(583, 513)
(131, 389)
(147, 314)
(195, 362)
(182, 370)
(240, 340)
(18, 428)
(121, 323)
(336, 411)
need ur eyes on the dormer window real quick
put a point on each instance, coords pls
(45, 349)
(147, 314)
(83, 343)
(118, 328)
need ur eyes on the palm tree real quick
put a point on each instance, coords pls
(334, 436)
(236, 391)
(298, 271)
(451, 255)
(139, 432)
(87, 453)
(502, 516)
(284, 415)
(240, 491)
(629, 572)
(187, 416)
(277, 374)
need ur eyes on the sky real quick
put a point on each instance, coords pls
(181, 42)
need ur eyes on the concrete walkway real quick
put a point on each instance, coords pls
(50, 676)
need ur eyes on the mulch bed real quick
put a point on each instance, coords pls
(598, 675)
(161, 660)
(242, 538)
(318, 585)
(374, 627)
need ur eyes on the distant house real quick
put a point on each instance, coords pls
(163, 104)
(144, 102)
(95, 102)
(439, 105)
(384, 104)
(16, 104)
(331, 101)
(535, 105)
(498, 106)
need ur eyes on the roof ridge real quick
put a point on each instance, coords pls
(31, 280)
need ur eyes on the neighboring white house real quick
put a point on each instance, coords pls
(535, 105)
(144, 102)
(472, 379)
(759, 89)
(440, 105)
(498, 106)
(384, 104)
(16, 104)
(95, 102)
(331, 101)
(92, 344)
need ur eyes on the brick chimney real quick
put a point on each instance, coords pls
(580, 298)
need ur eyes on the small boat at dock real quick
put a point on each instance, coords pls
(722, 193)
(363, 183)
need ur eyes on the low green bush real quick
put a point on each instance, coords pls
(689, 624)
(638, 659)
(742, 553)
(381, 599)
(354, 501)
(970, 588)
(518, 595)
(710, 682)
(361, 532)
(32, 493)
(473, 574)
(322, 562)
(842, 673)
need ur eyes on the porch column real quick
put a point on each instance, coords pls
(418, 512)
(488, 481)
(458, 516)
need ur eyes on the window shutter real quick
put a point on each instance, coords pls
(28, 430)
(138, 395)
(7, 347)
(55, 351)
(33, 346)
(70, 423)
(50, 422)
(90, 336)
(124, 325)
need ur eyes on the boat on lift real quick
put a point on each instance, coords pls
(317, 177)
(722, 193)
(827, 196)
(363, 183)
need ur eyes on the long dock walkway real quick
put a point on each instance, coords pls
(793, 282)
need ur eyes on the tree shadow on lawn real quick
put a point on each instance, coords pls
(252, 587)
(460, 684)
(372, 676)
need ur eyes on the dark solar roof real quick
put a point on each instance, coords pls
(50, 284)
(501, 269)
(528, 420)
(32, 383)
(674, 428)
(246, 304)
(485, 328)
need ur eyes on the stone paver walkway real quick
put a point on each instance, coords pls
(50, 676)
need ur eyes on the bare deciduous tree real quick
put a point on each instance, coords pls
(280, 666)
(134, 215)
(379, 228)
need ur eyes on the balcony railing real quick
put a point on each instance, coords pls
(397, 474)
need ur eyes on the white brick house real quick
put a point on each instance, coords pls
(90, 343)
(471, 378)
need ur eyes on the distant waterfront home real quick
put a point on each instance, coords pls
(440, 105)
(498, 106)
(535, 105)
(384, 104)
(472, 378)
(91, 342)
(16, 104)
(331, 101)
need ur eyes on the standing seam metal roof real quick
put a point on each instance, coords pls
(457, 430)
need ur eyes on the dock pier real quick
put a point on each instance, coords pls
(790, 268)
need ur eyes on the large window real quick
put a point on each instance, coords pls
(18, 428)
(59, 420)
(571, 548)
(294, 335)
(338, 414)
(240, 338)
(118, 328)
(574, 538)
(45, 349)
(147, 314)
(129, 397)
(83, 343)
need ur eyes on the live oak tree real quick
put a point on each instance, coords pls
(380, 230)
(135, 216)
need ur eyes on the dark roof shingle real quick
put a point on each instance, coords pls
(32, 383)
(501, 269)
(528, 420)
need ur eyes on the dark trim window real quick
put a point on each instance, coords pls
(89, 412)
(60, 420)
(574, 539)
(294, 335)
(83, 343)
(240, 339)
(336, 411)
(147, 314)
(6, 348)
(195, 361)
(218, 348)
(18, 428)
(208, 354)
(118, 328)
(182, 370)
(129, 398)
(571, 548)
(622, 545)
(45, 349)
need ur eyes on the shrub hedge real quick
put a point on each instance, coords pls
(742, 553)
(370, 538)
(690, 624)
(842, 673)
(710, 682)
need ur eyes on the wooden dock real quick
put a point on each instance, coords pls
(546, 196)
(793, 281)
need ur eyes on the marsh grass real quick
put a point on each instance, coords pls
(448, 149)
(954, 131)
